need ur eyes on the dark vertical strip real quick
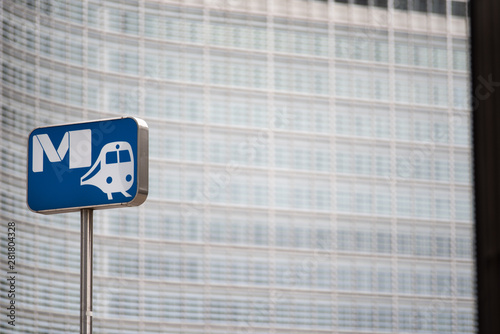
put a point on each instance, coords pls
(485, 59)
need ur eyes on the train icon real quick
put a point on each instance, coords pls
(113, 171)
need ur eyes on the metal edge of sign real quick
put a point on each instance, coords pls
(142, 168)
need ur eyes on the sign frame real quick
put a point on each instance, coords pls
(141, 174)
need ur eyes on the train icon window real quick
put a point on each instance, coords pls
(113, 170)
(124, 156)
(112, 157)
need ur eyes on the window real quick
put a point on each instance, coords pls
(362, 163)
(419, 5)
(46, 6)
(420, 56)
(363, 202)
(380, 3)
(463, 206)
(404, 207)
(464, 244)
(30, 39)
(462, 165)
(364, 317)
(404, 281)
(260, 234)
(403, 95)
(382, 165)
(439, 57)
(422, 169)
(402, 51)
(464, 284)
(441, 170)
(466, 321)
(384, 280)
(438, 6)
(361, 2)
(30, 82)
(124, 21)
(423, 281)
(384, 242)
(405, 319)
(345, 278)
(124, 156)
(363, 240)
(444, 322)
(459, 8)
(401, 4)
(323, 239)
(423, 244)
(347, 320)
(460, 60)
(442, 206)
(344, 241)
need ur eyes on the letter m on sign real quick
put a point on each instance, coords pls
(77, 142)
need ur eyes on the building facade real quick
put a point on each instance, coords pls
(309, 164)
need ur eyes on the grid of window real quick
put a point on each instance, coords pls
(307, 173)
(458, 8)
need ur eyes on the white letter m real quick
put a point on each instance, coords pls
(78, 143)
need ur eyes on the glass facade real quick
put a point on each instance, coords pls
(310, 164)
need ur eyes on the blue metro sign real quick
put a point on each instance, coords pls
(98, 164)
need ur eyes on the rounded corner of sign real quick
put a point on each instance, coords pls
(139, 199)
(43, 212)
(30, 208)
(141, 124)
(33, 130)
(30, 135)
(142, 197)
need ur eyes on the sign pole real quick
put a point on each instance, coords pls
(86, 250)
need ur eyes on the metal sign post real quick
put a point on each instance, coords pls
(86, 253)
